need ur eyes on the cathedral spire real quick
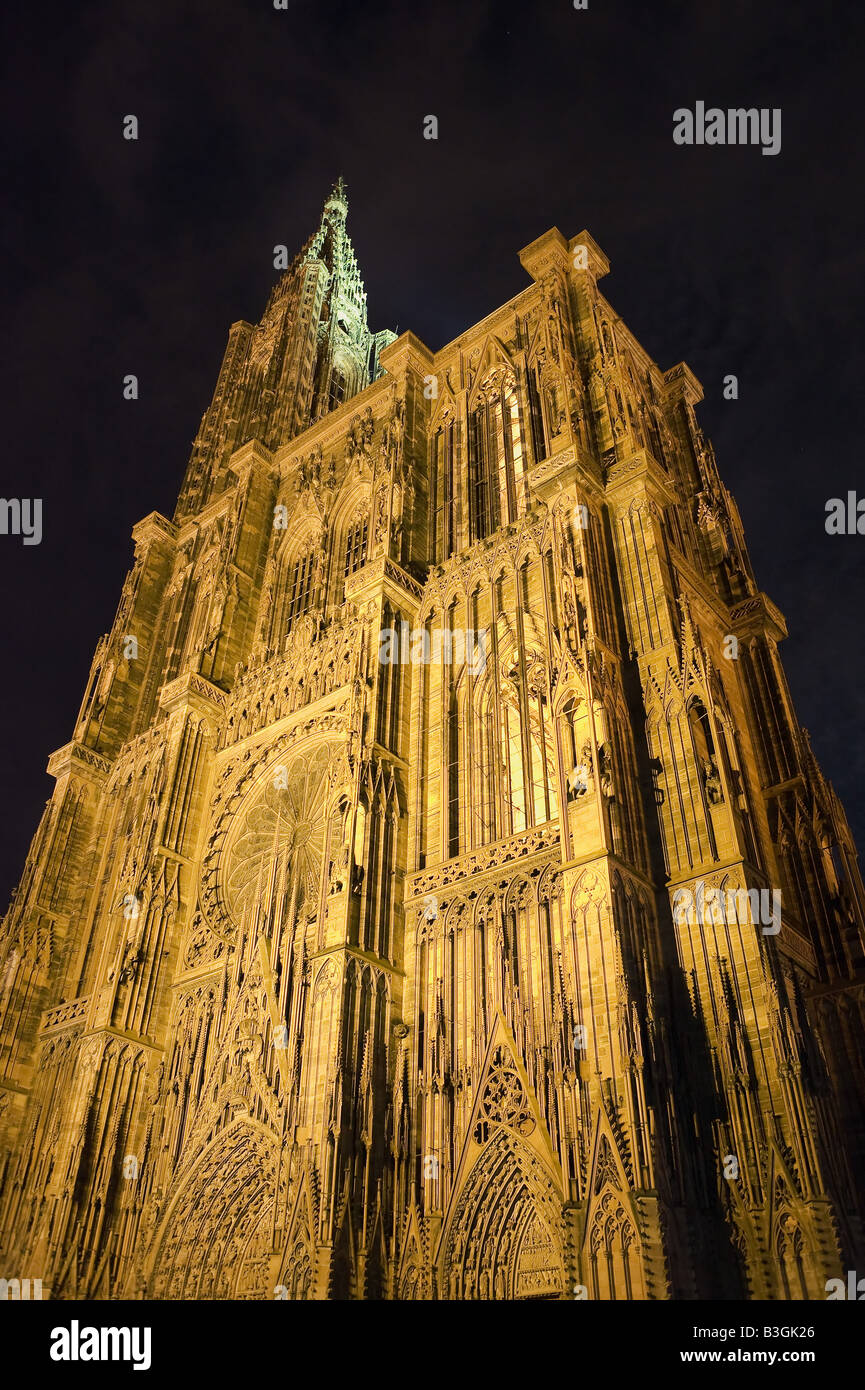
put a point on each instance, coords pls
(312, 350)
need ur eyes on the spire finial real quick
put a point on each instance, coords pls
(338, 193)
(336, 203)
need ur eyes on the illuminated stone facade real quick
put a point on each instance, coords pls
(334, 977)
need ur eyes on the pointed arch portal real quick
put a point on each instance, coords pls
(216, 1241)
(504, 1240)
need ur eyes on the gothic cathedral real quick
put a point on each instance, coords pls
(438, 898)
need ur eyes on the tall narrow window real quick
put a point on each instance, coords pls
(387, 719)
(355, 546)
(434, 502)
(386, 888)
(543, 791)
(336, 389)
(443, 539)
(488, 785)
(569, 736)
(536, 415)
(477, 479)
(701, 731)
(373, 903)
(500, 461)
(482, 454)
(393, 731)
(453, 775)
(512, 762)
(517, 461)
(300, 590)
(496, 463)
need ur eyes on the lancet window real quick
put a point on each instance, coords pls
(496, 459)
(355, 545)
(443, 492)
(300, 590)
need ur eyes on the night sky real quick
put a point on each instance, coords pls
(135, 257)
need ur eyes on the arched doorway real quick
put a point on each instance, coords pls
(216, 1240)
(504, 1241)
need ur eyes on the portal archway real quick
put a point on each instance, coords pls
(504, 1240)
(215, 1243)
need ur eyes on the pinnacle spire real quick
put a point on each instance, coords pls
(337, 199)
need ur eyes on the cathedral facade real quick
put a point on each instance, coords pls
(438, 898)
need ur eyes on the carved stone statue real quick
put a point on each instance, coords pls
(606, 772)
(340, 871)
(578, 779)
(712, 782)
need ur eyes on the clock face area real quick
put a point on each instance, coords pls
(279, 844)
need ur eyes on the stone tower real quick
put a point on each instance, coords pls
(438, 898)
